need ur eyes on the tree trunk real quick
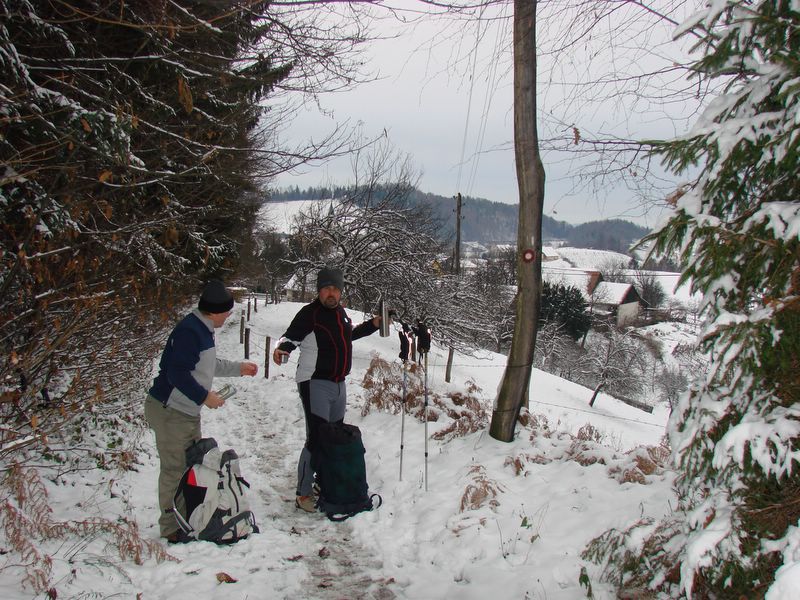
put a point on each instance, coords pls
(530, 180)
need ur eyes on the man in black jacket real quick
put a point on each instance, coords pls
(324, 333)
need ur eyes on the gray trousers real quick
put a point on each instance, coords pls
(175, 431)
(322, 400)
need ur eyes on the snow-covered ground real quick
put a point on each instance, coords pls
(500, 520)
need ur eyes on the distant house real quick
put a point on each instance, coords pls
(299, 289)
(583, 279)
(619, 302)
(549, 254)
(473, 250)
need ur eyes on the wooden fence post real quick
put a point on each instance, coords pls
(248, 309)
(449, 365)
(241, 328)
(247, 343)
(267, 355)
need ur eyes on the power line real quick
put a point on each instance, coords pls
(487, 103)
(469, 99)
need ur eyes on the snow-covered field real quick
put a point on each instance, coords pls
(546, 496)
(280, 216)
(588, 258)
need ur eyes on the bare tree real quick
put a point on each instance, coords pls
(611, 78)
(615, 362)
(385, 247)
(494, 309)
(649, 288)
(551, 343)
(672, 382)
(274, 270)
(614, 270)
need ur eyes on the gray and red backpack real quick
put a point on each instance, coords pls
(211, 501)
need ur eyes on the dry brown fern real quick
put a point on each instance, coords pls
(383, 390)
(26, 519)
(589, 433)
(519, 463)
(480, 490)
(640, 463)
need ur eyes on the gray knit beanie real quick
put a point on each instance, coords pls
(330, 276)
(215, 298)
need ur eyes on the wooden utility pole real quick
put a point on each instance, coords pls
(530, 181)
(457, 256)
(457, 270)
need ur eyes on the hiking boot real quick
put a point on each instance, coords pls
(306, 503)
(172, 538)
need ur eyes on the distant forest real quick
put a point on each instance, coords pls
(490, 222)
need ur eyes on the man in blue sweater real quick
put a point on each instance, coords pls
(324, 333)
(182, 387)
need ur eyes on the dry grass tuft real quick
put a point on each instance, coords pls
(589, 433)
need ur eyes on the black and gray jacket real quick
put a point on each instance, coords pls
(324, 336)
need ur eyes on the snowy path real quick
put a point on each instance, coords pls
(272, 439)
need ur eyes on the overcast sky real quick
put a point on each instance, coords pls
(437, 104)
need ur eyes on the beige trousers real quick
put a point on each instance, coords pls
(175, 431)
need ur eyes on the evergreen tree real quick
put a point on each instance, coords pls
(736, 431)
(564, 305)
(133, 135)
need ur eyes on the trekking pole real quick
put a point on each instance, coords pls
(402, 420)
(426, 421)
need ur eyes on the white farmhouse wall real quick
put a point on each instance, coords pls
(627, 314)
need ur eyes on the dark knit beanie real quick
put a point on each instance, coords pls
(215, 298)
(329, 276)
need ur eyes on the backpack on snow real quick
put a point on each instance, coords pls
(341, 474)
(214, 495)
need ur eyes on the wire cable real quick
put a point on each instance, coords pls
(469, 100)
